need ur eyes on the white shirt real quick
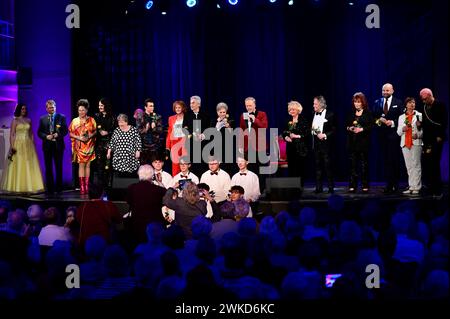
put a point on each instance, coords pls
(220, 184)
(178, 128)
(166, 179)
(250, 184)
(318, 122)
(178, 177)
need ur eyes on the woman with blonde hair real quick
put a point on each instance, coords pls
(187, 207)
(295, 134)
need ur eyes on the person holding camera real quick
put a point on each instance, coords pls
(187, 207)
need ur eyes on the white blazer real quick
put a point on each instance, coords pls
(401, 125)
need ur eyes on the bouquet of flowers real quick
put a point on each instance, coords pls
(291, 127)
(11, 153)
(107, 164)
(407, 122)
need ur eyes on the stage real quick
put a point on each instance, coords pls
(270, 203)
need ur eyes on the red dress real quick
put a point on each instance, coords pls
(83, 152)
(175, 142)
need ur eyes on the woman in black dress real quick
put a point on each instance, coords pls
(295, 134)
(359, 124)
(106, 124)
(224, 124)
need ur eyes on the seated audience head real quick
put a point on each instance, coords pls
(95, 247)
(145, 172)
(268, 226)
(206, 249)
(236, 192)
(308, 216)
(52, 216)
(154, 232)
(436, 285)
(247, 227)
(350, 232)
(115, 261)
(227, 210)
(241, 208)
(400, 223)
(16, 221)
(5, 207)
(35, 213)
(174, 237)
(201, 227)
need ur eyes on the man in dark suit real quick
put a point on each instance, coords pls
(52, 129)
(250, 122)
(323, 130)
(435, 121)
(195, 122)
(144, 209)
(386, 111)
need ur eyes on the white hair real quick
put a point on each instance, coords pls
(145, 172)
(221, 106)
(197, 98)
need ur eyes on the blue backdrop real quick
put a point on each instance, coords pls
(275, 53)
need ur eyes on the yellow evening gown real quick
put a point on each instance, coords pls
(23, 174)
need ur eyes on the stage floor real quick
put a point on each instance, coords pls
(269, 204)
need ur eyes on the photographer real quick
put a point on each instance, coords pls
(187, 207)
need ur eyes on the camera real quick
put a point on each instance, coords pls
(183, 182)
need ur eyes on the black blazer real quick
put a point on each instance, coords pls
(302, 128)
(189, 117)
(393, 114)
(360, 141)
(60, 128)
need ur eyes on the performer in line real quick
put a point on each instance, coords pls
(435, 120)
(386, 111)
(52, 129)
(359, 125)
(22, 174)
(106, 124)
(323, 130)
(296, 133)
(151, 133)
(175, 135)
(82, 132)
(409, 128)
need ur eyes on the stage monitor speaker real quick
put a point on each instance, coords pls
(283, 188)
(122, 182)
(24, 76)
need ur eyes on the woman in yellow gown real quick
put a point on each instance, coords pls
(23, 173)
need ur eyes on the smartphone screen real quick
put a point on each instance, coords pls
(330, 279)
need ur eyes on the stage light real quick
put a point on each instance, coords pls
(350, 3)
(233, 2)
(272, 1)
(163, 13)
(149, 5)
(291, 2)
(191, 3)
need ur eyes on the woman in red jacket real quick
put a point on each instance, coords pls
(175, 139)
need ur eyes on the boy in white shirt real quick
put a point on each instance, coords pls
(218, 180)
(184, 174)
(160, 177)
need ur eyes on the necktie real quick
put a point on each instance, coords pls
(159, 177)
(245, 174)
(50, 121)
(385, 107)
(214, 173)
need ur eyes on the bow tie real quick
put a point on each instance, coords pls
(251, 113)
(183, 176)
(214, 173)
(243, 174)
(318, 113)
